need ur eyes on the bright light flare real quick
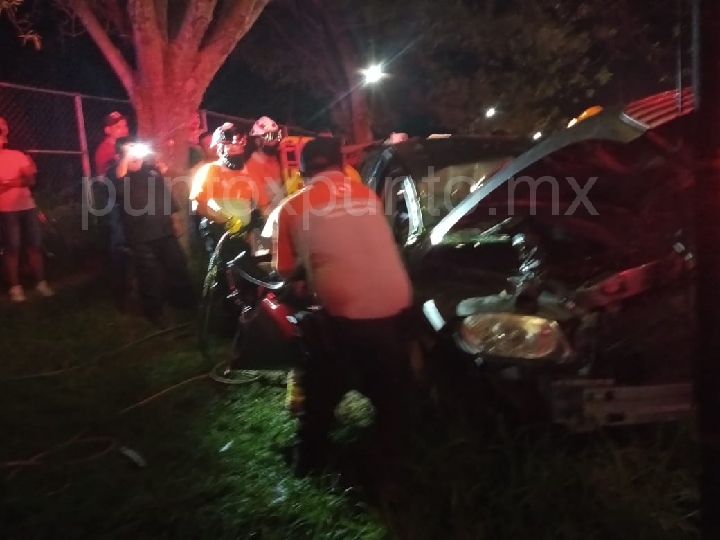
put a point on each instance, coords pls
(490, 112)
(537, 136)
(140, 150)
(373, 74)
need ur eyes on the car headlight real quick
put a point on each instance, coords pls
(507, 335)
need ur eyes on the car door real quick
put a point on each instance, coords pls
(396, 189)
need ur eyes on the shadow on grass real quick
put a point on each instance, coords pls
(214, 470)
(463, 481)
(212, 465)
(516, 485)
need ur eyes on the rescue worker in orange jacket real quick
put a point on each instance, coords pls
(335, 229)
(263, 162)
(223, 192)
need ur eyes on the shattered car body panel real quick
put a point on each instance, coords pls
(587, 230)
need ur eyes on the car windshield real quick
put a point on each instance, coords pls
(446, 171)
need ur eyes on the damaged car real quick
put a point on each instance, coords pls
(558, 275)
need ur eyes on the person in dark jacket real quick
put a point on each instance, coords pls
(152, 228)
(120, 271)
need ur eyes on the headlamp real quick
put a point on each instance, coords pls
(507, 335)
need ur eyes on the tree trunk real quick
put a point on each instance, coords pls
(163, 116)
(361, 120)
(707, 369)
(165, 123)
(342, 118)
(351, 114)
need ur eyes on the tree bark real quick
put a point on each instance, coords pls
(341, 117)
(163, 118)
(351, 114)
(707, 369)
(360, 117)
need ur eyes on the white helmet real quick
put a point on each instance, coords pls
(227, 134)
(263, 126)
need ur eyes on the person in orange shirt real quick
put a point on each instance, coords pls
(223, 192)
(348, 169)
(263, 163)
(336, 230)
(19, 224)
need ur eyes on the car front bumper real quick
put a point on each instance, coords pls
(587, 404)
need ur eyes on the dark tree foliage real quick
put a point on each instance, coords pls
(539, 62)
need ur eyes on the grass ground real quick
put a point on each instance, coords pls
(214, 470)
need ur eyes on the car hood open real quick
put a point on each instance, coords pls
(611, 146)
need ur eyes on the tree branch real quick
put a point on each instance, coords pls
(345, 56)
(82, 11)
(161, 12)
(304, 51)
(116, 16)
(197, 18)
(149, 45)
(307, 17)
(238, 21)
(21, 24)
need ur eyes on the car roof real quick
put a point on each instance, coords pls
(470, 143)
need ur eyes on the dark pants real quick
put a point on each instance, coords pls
(20, 228)
(161, 269)
(120, 269)
(120, 275)
(369, 356)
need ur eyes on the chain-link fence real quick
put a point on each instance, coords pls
(61, 130)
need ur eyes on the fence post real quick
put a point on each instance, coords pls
(87, 172)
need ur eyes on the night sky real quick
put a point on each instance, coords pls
(75, 64)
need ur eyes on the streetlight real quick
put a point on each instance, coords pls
(490, 112)
(373, 74)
